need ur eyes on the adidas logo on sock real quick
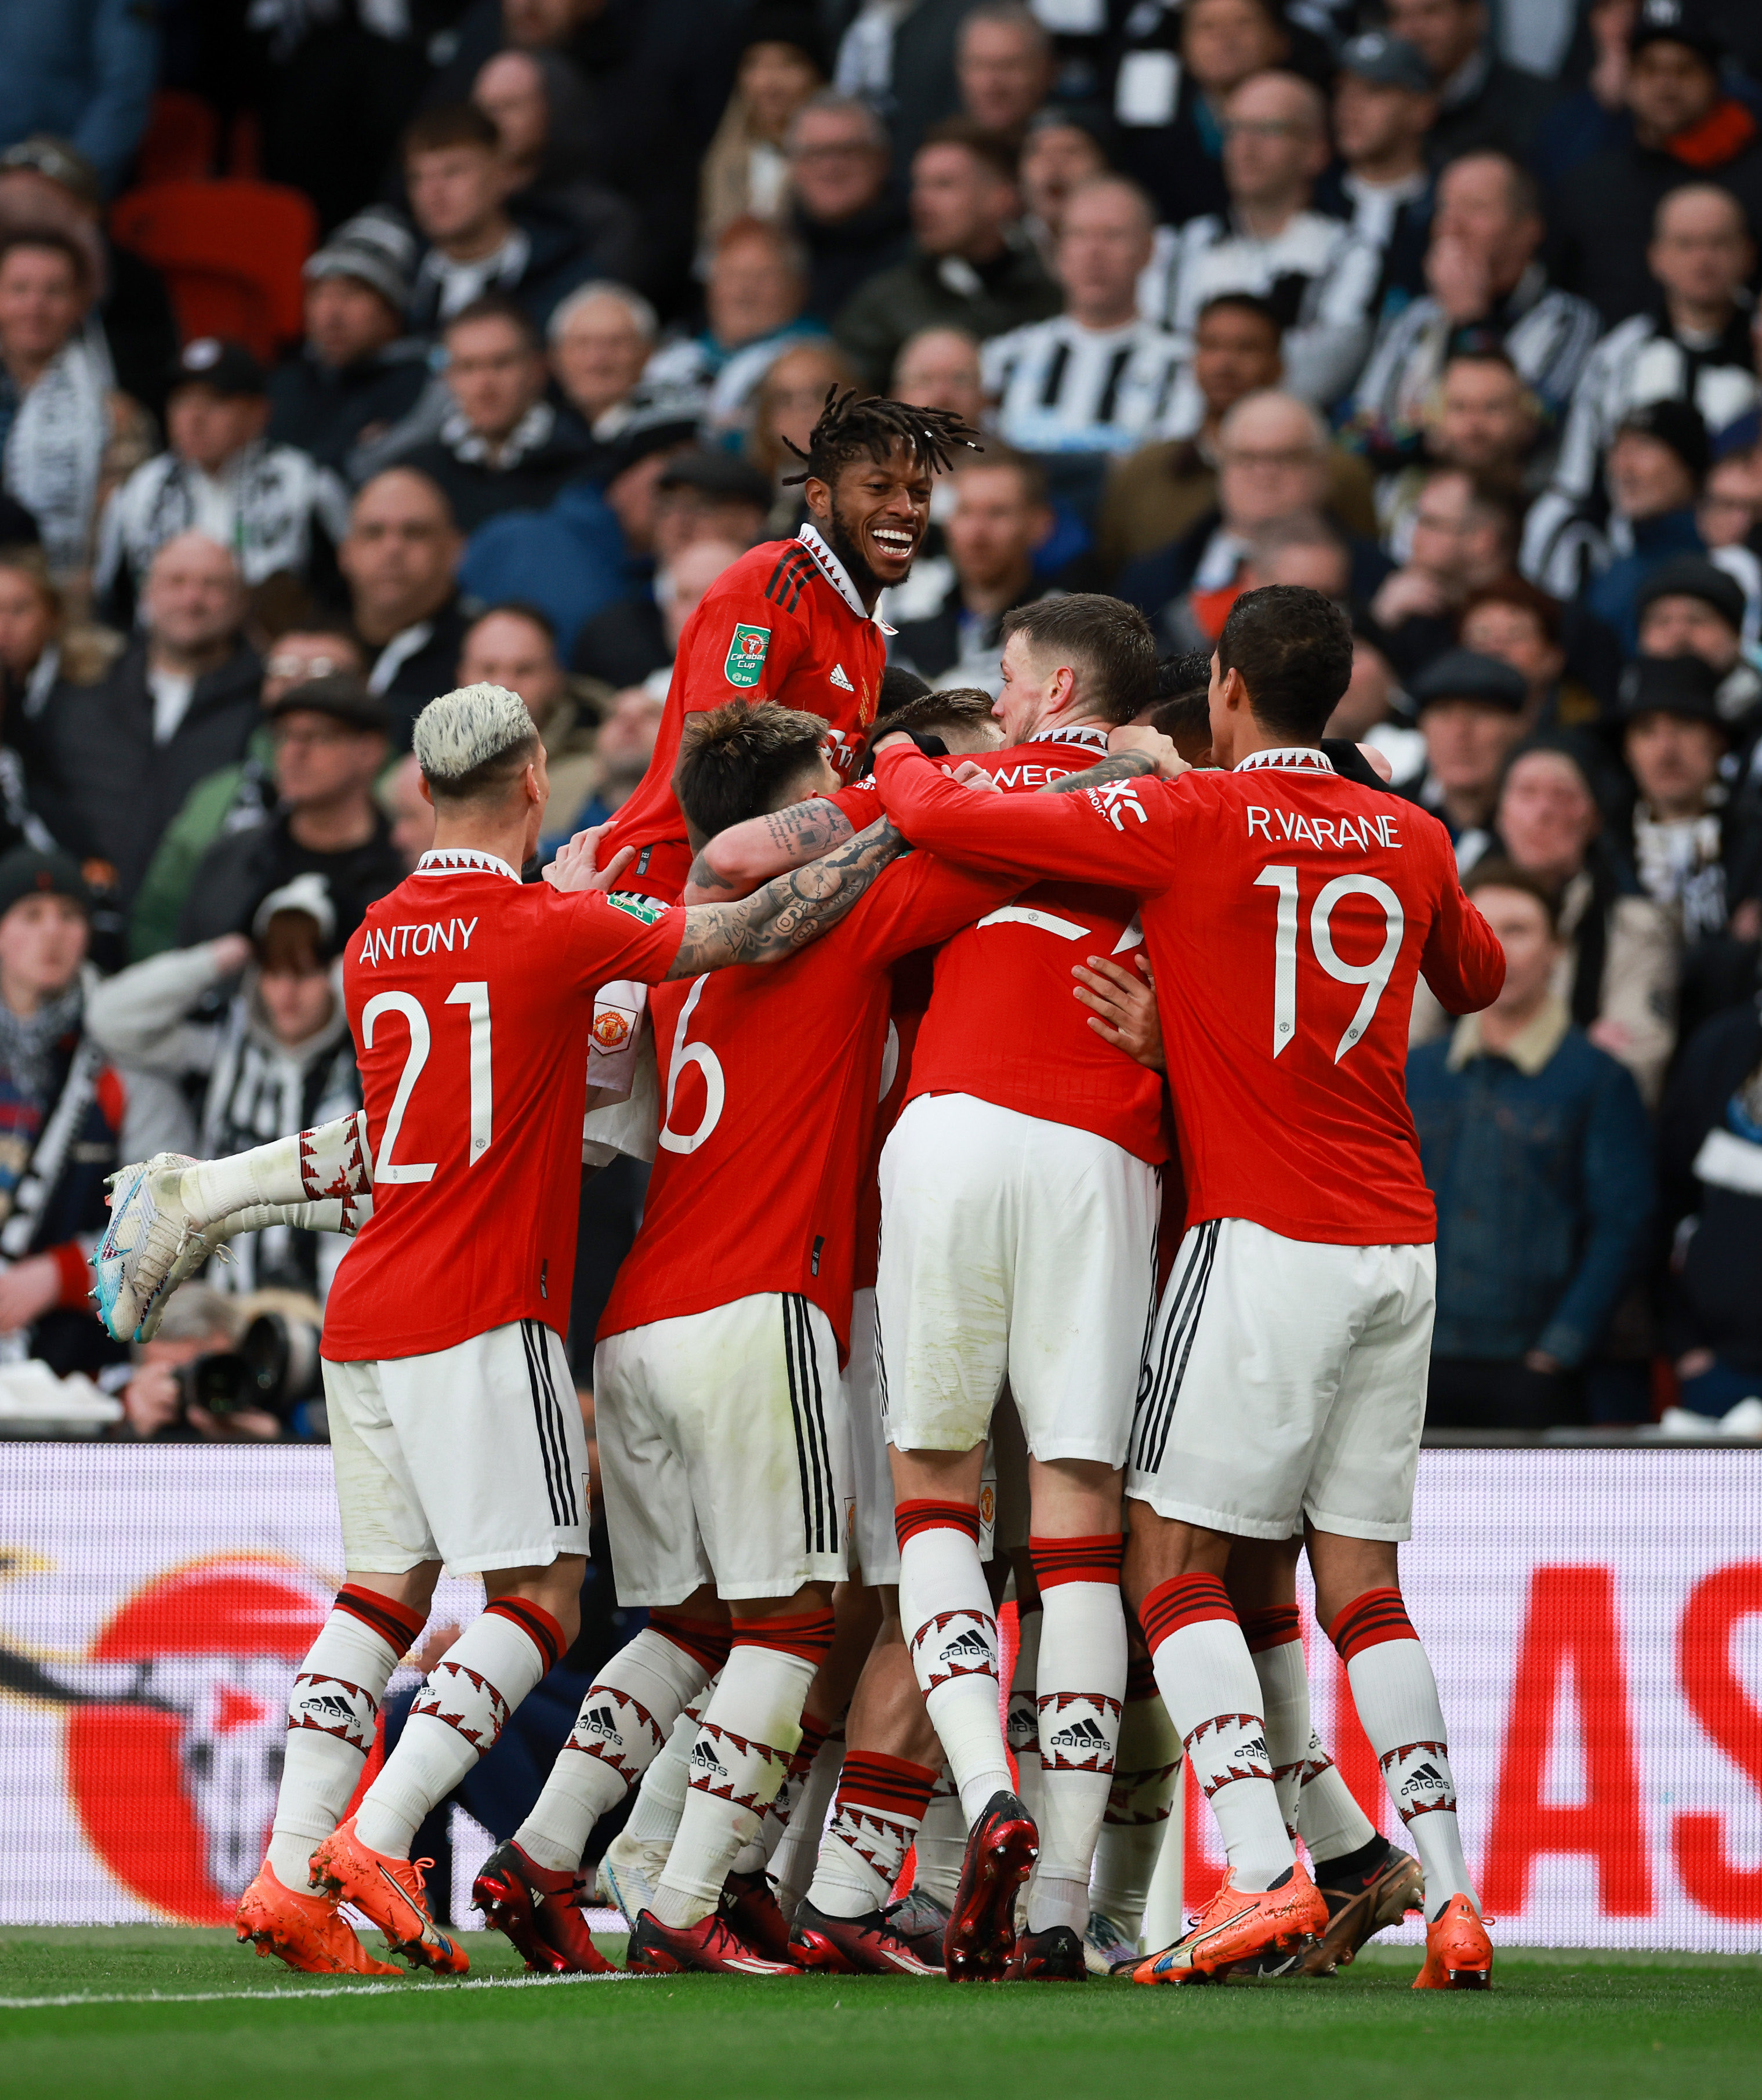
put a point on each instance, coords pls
(703, 1758)
(330, 1705)
(1084, 1735)
(1254, 1747)
(1422, 1776)
(602, 1722)
(968, 1646)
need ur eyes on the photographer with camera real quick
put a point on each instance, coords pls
(224, 1370)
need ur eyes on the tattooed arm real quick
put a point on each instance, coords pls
(736, 861)
(791, 909)
(1117, 765)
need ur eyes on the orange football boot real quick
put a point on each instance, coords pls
(1459, 1956)
(1236, 1925)
(388, 1892)
(307, 1931)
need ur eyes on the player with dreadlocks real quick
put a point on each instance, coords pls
(793, 620)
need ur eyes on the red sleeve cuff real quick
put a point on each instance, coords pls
(76, 1273)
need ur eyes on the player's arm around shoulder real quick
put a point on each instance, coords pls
(790, 911)
(1462, 960)
(736, 861)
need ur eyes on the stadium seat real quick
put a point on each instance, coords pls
(231, 252)
(178, 144)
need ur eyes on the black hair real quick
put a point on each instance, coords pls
(1293, 649)
(736, 760)
(849, 429)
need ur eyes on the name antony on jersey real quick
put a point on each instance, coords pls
(386, 944)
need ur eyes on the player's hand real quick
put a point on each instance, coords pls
(27, 1290)
(576, 866)
(971, 774)
(1158, 748)
(1122, 1005)
(1377, 761)
(893, 738)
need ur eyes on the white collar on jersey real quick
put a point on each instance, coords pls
(1091, 740)
(1304, 757)
(837, 575)
(456, 860)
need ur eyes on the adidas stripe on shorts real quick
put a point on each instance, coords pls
(725, 1452)
(1285, 1379)
(474, 1455)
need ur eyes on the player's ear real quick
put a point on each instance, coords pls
(818, 494)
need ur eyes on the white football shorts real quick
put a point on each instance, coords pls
(1012, 1248)
(874, 1543)
(1285, 1380)
(474, 1455)
(724, 1452)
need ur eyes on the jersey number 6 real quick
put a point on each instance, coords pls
(1373, 976)
(474, 998)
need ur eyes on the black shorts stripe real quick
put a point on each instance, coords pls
(558, 1421)
(556, 1474)
(1167, 1364)
(819, 1511)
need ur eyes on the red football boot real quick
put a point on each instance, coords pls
(539, 1908)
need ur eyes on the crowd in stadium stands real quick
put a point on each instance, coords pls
(1445, 307)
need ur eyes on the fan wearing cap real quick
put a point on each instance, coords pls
(67, 1117)
(1694, 604)
(275, 507)
(1473, 713)
(501, 445)
(1654, 468)
(355, 372)
(710, 508)
(1683, 126)
(252, 1024)
(1384, 107)
(1691, 851)
(331, 737)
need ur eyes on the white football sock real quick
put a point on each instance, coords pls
(793, 1863)
(333, 1714)
(1207, 1681)
(331, 1159)
(879, 1807)
(1079, 1690)
(619, 1730)
(1275, 1642)
(1021, 1722)
(946, 1611)
(750, 1727)
(1329, 1818)
(660, 1798)
(942, 1842)
(1395, 1694)
(460, 1711)
(1145, 1766)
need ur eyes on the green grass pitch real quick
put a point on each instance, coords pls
(1556, 2026)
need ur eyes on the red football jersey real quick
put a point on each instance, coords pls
(782, 624)
(911, 978)
(470, 997)
(1288, 913)
(1004, 1023)
(770, 1076)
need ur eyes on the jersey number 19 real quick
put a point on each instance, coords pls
(1373, 976)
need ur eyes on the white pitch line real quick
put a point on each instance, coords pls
(310, 1996)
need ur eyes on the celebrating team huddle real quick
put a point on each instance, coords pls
(1034, 1201)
